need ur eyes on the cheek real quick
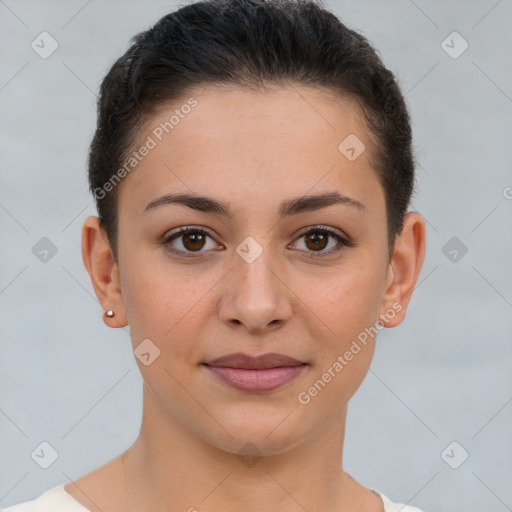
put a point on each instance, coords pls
(348, 301)
(166, 304)
(149, 296)
(347, 306)
(344, 354)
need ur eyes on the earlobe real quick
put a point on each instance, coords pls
(404, 270)
(102, 268)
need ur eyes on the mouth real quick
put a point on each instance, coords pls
(262, 362)
(262, 373)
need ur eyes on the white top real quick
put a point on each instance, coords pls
(59, 500)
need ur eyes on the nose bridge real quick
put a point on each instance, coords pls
(255, 264)
(257, 295)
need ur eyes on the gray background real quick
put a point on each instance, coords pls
(444, 375)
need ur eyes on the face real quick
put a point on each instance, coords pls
(283, 274)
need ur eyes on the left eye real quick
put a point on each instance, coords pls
(316, 240)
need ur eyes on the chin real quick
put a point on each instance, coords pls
(255, 438)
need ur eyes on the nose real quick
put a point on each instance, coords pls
(255, 295)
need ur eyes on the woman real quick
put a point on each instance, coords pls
(252, 169)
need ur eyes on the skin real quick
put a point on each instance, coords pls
(252, 149)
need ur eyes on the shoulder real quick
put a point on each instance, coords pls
(55, 499)
(391, 506)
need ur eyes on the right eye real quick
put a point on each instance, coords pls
(191, 239)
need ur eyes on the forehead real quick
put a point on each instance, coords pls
(235, 140)
(271, 107)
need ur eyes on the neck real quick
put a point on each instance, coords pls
(170, 467)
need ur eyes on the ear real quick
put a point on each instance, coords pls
(404, 269)
(103, 270)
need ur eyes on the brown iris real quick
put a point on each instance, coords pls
(195, 239)
(317, 238)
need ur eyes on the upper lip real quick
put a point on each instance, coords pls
(262, 362)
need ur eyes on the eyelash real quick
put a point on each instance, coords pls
(343, 242)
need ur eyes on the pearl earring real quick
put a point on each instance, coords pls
(109, 313)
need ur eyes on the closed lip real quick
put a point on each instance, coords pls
(262, 362)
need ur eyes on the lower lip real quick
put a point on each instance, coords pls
(257, 380)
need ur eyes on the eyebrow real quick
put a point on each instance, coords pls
(289, 207)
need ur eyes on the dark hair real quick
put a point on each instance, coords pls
(249, 43)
